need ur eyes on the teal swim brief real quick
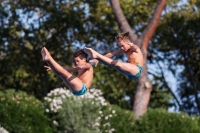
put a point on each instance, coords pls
(81, 92)
(137, 75)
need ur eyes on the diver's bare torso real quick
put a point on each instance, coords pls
(134, 56)
(86, 76)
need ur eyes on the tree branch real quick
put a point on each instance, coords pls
(165, 83)
(153, 23)
(121, 19)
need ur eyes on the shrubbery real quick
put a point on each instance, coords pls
(154, 121)
(21, 113)
(86, 114)
(117, 120)
(74, 114)
(162, 121)
(91, 114)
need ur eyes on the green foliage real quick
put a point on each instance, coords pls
(71, 113)
(162, 121)
(89, 113)
(78, 116)
(117, 120)
(177, 38)
(160, 95)
(114, 86)
(21, 113)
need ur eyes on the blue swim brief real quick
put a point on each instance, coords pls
(81, 92)
(137, 75)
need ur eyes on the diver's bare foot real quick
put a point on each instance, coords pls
(45, 54)
(92, 54)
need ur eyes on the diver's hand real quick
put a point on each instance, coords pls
(48, 68)
(94, 62)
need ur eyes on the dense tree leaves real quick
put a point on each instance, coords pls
(178, 39)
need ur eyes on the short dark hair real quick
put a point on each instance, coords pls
(81, 54)
(123, 36)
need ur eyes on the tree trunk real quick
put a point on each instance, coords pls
(143, 86)
(143, 90)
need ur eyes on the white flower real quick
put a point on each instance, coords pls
(113, 111)
(98, 118)
(49, 99)
(112, 129)
(106, 117)
(55, 122)
(55, 110)
(96, 124)
(58, 107)
(47, 110)
(63, 96)
(55, 97)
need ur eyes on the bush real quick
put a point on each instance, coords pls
(21, 113)
(86, 114)
(91, 114)
(74, 114)
(162, 121)
(79, 116)
(117, 120)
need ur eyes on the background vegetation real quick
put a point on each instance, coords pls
(22, 113)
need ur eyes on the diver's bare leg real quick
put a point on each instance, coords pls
(69, 79)
(122, 67)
